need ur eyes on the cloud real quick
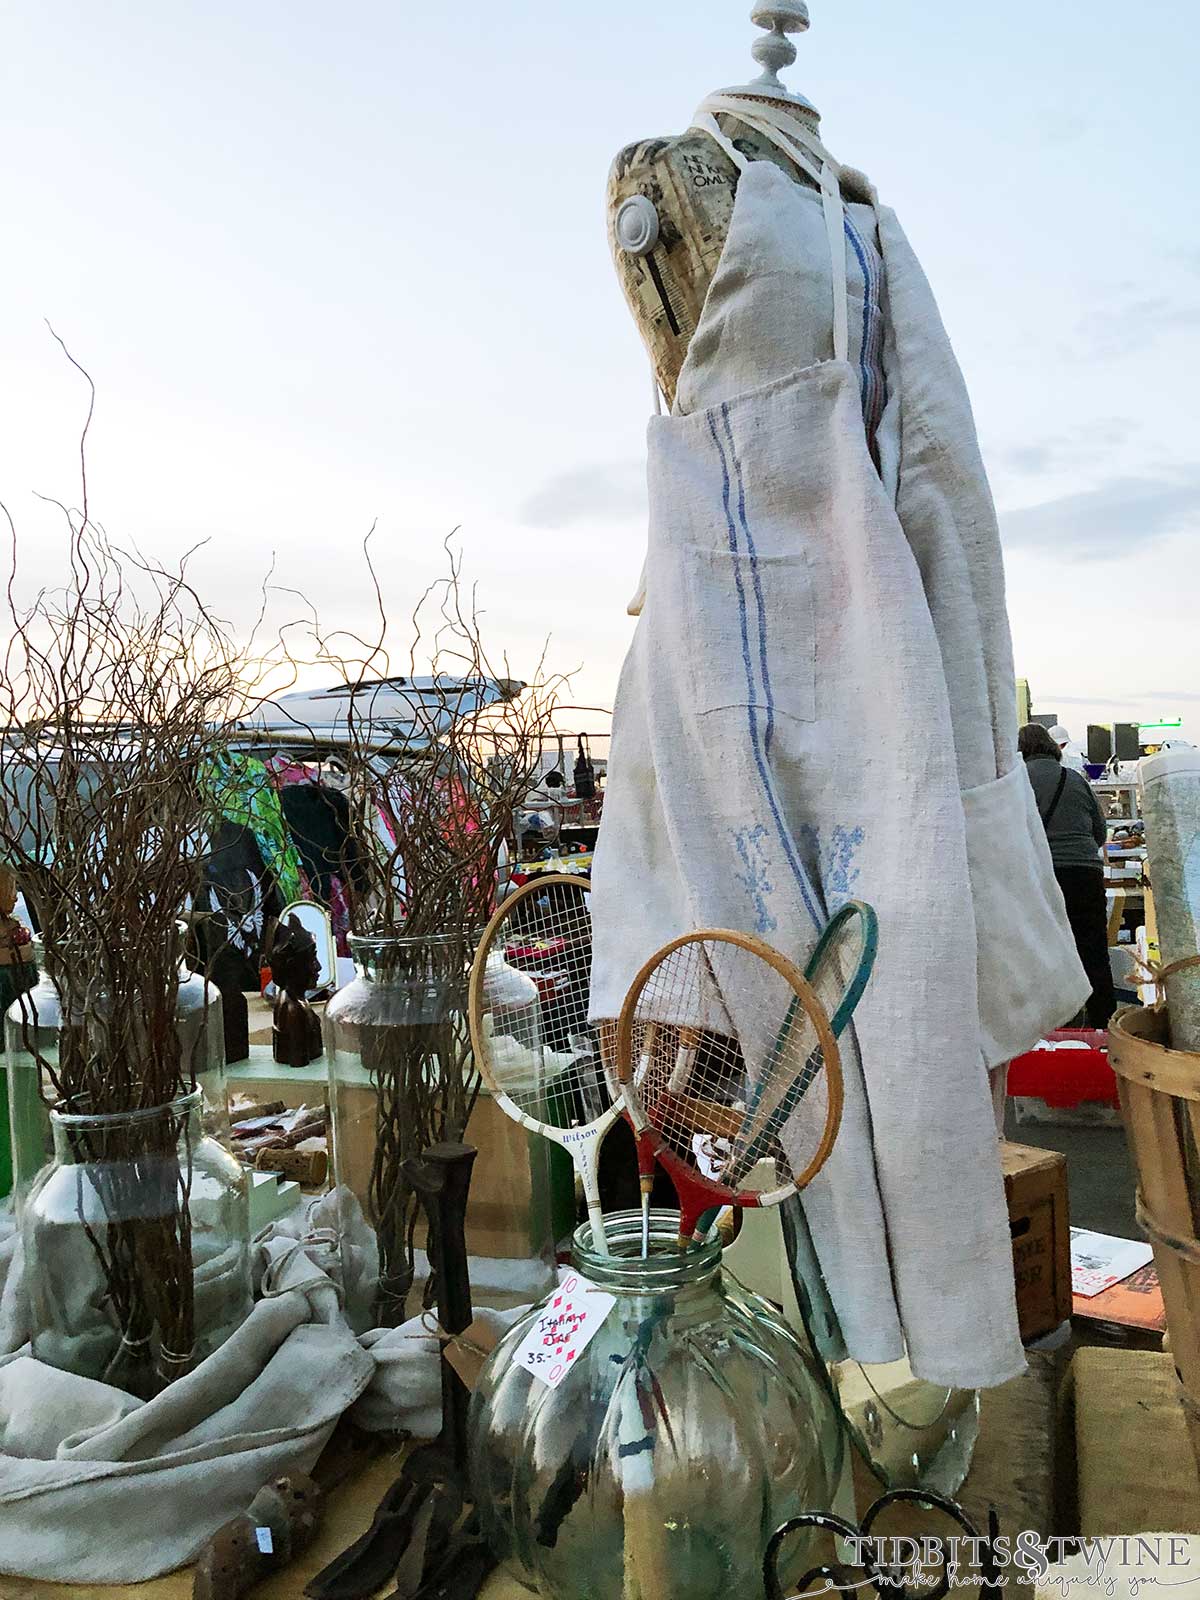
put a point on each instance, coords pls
(1119, 514)
(1084, 700)
(1031, 460)
(607, 490)
(1060, 127)
(1125, 326)
(1108, 432)
(1080, 449)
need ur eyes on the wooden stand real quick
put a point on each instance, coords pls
(442, 1177)
(1160, 1099)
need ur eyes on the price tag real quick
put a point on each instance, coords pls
(265, 1542)
(564, 1328)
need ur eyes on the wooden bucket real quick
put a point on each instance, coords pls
(1160, 1100)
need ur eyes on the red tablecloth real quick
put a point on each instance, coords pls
(1066, 1078)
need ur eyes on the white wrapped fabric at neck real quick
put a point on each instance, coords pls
(799, 146)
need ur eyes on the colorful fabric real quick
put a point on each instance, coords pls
(243, 793)
(318, 818)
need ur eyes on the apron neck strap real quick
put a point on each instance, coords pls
(707, 123)
(788, 135)
(789, 128)
(800, 147)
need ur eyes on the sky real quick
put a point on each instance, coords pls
(335, 267)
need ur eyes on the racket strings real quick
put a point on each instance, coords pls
(841, 964)
(726, 1064)
(542, 1052)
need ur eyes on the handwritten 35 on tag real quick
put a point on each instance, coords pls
(563, 1329)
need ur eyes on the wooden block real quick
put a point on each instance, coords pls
(251, 1113)
(1039, 1219)
(270, 1198)
(306, 1167)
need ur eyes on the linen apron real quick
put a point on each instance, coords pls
(783, 742)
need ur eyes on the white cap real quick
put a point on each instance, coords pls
(1059, 734)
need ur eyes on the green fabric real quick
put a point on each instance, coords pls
(5, 1146)
(243, 793)
(14, 981)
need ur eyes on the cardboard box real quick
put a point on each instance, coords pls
(1035, 1186)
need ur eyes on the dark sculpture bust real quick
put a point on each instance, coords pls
(295, 969)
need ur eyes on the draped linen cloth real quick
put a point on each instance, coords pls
(819, 704)
(99, 1487)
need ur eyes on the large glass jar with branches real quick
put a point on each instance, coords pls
(434, 782)
(116, 691)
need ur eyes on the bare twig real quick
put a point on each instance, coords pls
(118, 693)
(427, 833)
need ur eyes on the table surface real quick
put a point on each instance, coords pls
(1014, 1466)
(1013, 1470)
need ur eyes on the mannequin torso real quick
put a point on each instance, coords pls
(670, 202)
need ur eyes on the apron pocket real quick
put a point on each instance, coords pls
(749, 631)
(1030, 977)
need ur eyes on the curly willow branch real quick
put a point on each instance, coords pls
(446, 806)
(118, 689)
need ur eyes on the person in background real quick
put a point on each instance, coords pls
(1071, 757)
(1076, 832)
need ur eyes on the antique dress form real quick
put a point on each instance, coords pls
(670, 201)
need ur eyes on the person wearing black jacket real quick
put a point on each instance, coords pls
(1076, 832)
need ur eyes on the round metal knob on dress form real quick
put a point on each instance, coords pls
(637, 226)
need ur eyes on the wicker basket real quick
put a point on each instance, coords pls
(1160, 1099)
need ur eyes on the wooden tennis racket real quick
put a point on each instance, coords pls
(727, 1060)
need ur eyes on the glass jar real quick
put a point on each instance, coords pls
(913, 1434)
(688, 1430)
(123, 1287)
(17, 978)
(31, 1029)
(199, 1018)
(515, 1004)
(402, 1078)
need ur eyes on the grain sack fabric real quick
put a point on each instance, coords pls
(782, 743)
(98, 1487)
(1030, 977)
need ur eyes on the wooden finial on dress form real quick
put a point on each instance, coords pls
(776, 51)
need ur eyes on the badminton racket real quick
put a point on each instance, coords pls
(534, 1046)
(726, 1058)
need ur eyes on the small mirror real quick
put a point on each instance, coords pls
(315, 919)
